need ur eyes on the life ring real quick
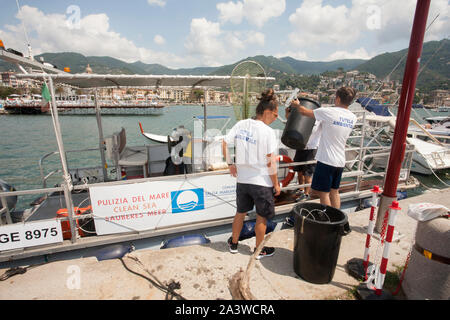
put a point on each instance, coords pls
(291, 173)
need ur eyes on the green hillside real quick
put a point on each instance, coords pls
(271, 65)
(435, 59)
(311, 68)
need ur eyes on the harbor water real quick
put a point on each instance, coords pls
(27, 138)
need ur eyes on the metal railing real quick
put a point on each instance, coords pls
(363, 162)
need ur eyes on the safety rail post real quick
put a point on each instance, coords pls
(362, 152)
(375, 191)
(7, 212)
(100, 136)
(67, 183)
(393, 208)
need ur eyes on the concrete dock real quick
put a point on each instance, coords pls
(204, 272)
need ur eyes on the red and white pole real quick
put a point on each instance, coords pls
(389, 235)
(375, 191)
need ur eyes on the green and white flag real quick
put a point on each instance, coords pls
(46, 93)
(46, 97)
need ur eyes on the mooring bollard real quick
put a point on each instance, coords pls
(384, 260)
(375, 191)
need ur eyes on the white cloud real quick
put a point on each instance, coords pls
(159, 40)
(257, 12)
(51, 33)
(160, 3)
(315, 23)
(256, 38)
(230, 11)
(212, 46)
(397, 19)
(360, 53)
(203, 40)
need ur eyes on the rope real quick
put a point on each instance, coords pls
(169, 289)
(18, 270)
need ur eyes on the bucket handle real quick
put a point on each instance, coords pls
(345, 229)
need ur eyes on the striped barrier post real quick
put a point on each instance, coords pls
(389, 235)
(375, 191)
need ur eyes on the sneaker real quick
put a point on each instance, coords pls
(233, 246)
(265, 252)
(303, 197)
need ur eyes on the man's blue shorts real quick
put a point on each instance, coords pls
(326, 177)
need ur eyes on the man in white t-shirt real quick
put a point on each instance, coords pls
(255, 168)
(336, 123)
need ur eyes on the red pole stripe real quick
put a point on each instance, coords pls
(372, 211)
(368, 241)
(366, 263)
(390, 234)
(383, 265)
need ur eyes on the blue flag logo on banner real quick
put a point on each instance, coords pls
(188, 200)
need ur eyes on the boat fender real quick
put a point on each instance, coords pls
(291, 173)
(116, 251)
(402, 195)
(10, 201)
(188, 240)
(248, 229)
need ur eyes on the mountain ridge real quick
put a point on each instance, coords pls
(435, 57)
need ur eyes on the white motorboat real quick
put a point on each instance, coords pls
(429, 156)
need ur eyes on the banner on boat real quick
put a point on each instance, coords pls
(151, 205)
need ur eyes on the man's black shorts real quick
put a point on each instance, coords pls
(303, 156)
(250, 195)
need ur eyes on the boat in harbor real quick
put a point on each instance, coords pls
(429, 156)
(430, 141)
(81, 105)
(436, 128)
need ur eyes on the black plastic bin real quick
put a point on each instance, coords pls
(317, 239)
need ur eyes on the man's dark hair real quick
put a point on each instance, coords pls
(346, 94)
(267, 101)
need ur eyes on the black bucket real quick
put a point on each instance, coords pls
(317, 239)
(298, 127)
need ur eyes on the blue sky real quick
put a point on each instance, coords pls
(192, 33)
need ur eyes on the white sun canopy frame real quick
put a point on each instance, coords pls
(85, 81)
(27, 63)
